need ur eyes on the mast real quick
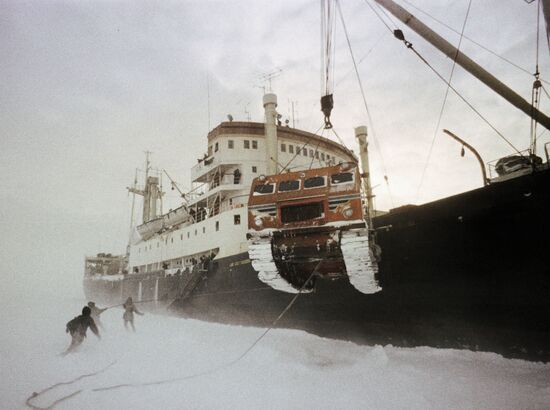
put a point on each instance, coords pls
(361, 135)
(133, 207)
(272, 160)
(150, 193)
(147, 191)
(546, 11)
(465, 62)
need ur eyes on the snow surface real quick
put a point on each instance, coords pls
(286, 369)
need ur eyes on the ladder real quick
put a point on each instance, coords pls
(192, 281)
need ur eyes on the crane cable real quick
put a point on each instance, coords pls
(327, 59)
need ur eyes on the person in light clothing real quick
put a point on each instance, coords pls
(129, 310)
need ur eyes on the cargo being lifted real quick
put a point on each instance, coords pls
(310, 224)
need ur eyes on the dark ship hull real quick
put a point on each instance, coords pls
(469, 271)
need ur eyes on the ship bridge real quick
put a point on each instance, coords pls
(208, 167)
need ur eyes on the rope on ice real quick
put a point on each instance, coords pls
(34, 395)
(223, 366)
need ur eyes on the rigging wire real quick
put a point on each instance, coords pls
(387, 14)
(362, 58)
(436, 130)
(535, 93)
(400, 36)
(382, 162)
(300, 150)
(350, 152)
(315, 153)
(378, 15)
(409, 45)
(471, 40)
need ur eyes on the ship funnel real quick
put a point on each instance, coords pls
(271, 148)
(361, 135)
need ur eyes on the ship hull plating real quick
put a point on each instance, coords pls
(469, 271)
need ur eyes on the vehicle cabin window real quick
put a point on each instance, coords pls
(230, 144)
(236, 219)
(341, 178)
(314, 182)
(254, 144)
(304, 152)
(216, 147)
(254, 169)
(283, 147)
(291, 149)
(323, 156)
(317, 154)
(311, 153)
(264, 189)
(246, 144)
(291, 185)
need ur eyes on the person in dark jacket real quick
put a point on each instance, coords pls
(78, 327)
(128, 316)
(95, 314)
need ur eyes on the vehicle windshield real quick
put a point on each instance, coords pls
(341, 178)
(314, 182)
(292, 185)
(264, 189)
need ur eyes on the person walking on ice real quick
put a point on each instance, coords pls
(128, 316)
(96, 311)
(78, 326)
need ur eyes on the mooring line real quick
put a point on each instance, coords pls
(228, 364)
(34, 395)
(172, 380)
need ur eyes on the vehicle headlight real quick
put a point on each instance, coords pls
(259, 221)
(347, 212)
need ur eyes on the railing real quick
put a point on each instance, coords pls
(204, 166)
(226, 180)
(491, 165)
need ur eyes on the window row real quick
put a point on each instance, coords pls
(247, 144)
(308, 183)
(298, 150)
(236, 221)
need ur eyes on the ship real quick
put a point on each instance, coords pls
(468, 271)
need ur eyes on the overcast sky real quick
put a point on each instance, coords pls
(87, 86)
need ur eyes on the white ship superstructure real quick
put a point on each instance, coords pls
(213, 221)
